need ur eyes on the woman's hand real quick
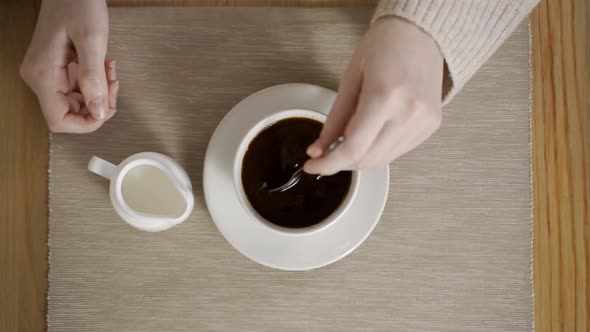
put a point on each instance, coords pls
(388, 103)
(66, 68)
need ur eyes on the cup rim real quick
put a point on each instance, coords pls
(237, 172)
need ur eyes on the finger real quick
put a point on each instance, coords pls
(73, 74)
(423, 121)
(78, 123)
(75, 102)
(396, 139)
(56, 108)
(360, 133)
(341, 111)
(113, 92)
(392, 138)
(111, 113)
(92, 74)
(50, 80)
(50, 88)
(111, 70)
(113, 84)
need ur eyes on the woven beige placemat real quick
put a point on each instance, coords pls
(451, 252)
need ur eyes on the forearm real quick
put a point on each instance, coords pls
(468, 32)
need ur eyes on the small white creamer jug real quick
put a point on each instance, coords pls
(149, 190)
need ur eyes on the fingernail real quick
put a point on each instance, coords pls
(96, 105)
(313, 151)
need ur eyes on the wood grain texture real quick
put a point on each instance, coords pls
(561, 165)
(23, 180)
(561, 42)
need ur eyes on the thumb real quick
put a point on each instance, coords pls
(92, 75)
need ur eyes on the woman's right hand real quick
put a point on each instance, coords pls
(66, 68)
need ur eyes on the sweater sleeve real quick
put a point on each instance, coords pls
(467, 32)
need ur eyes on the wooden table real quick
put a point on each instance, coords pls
(561, 164)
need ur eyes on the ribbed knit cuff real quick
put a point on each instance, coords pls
(467, 32)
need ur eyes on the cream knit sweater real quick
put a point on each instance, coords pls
(467, 32)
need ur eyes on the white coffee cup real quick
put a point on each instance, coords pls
(237, 175)
(149, 190)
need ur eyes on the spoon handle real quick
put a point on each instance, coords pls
(334, 145)
(331, 148)
(299, 172)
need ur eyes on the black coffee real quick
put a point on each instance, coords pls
(269, 162)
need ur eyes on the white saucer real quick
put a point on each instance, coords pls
(259, 243)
